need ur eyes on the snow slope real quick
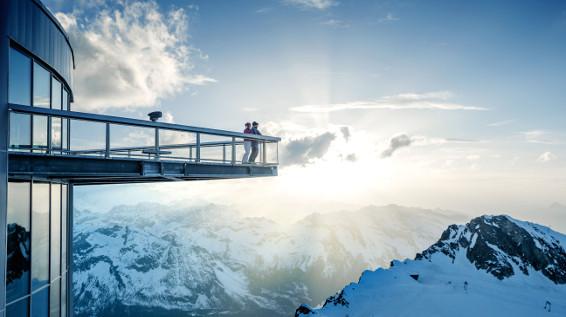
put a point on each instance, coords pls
(137, 260)
(492, 266)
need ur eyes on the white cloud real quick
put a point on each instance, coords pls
(537, 136)
(407, 101)
(313, 4)
(500, 123)
(389, 17)
(339, 24)
(547, 157)
(130, 54)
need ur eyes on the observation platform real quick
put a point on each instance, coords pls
(87, 149)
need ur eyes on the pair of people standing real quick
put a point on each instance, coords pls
(251, 146)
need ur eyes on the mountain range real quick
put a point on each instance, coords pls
(157, 260)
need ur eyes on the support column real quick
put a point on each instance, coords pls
(70, 225)
(4, 135)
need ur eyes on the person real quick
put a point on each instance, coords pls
(247, 144)
(255, 143)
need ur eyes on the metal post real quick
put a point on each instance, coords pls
(223, 153)
(190, 152)
(233, 150)
(263, 153)
(157, 143)
(107, 152)
(198, 148)
(49, 135)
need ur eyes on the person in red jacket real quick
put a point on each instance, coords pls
(247, 144)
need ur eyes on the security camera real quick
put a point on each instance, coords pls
(154, 116)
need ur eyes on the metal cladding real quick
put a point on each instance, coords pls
(30, 24)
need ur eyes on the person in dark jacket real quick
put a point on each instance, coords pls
(247, 144)
(255, 143)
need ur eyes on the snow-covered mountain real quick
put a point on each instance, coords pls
(492, 266)
(152, 260)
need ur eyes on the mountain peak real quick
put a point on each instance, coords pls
(501, 244)
(491, 266)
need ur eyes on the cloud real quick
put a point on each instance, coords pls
(304, 150)
(130, 54)
(500, 123)
(351, 157)
(345, 133)
(407, 101)
(339, 24)
(389, 17)
(537, 136)
(396, 143)
(313, 4)
(547, 157)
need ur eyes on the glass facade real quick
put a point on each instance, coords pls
(20, 132)
(38, 133)
(20, 78)
(37, 241)
(39, 65)
(18, 240)
(40, 235)
(41, 86)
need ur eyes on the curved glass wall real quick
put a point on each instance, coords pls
(34, 85)
(37, 228)
(37, 242)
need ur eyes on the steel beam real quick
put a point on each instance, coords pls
(97, 170)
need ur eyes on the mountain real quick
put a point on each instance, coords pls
(492, 266)
(154, 260)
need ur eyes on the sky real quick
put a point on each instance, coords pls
(439, 104)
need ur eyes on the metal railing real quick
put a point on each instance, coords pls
(87, 134)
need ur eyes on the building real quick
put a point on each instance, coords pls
(42, 158)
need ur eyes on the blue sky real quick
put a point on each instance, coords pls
(475, 87)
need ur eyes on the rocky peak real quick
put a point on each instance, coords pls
(502, 245)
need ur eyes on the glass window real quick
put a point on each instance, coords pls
(56, 94)
(41, 86)
(40, 235)
(56, 133)
(20, 131)
(54, 299)
(19, 78)
(39, 133)
(18, 244)
(65, 100)
(55, 231)
(18, 309)
(64, 233)
(64, 295)
(40, 303)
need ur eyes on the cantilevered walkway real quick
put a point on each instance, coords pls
(86, 148)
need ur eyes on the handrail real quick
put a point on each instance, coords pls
(157, 150)
(168, 146)
(135, 122)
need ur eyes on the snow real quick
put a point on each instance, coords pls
(458, 288)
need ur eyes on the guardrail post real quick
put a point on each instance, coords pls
(233, 151)
(198, 148)
(107, 147)
(264, 153)
(223, 153)
(157, 143)
(49, 135)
